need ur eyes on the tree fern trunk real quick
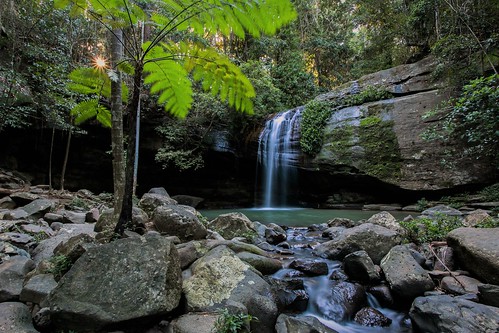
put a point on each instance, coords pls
(66, 157)
(117, 124)
(126, 208)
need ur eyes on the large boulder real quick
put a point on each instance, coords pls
(232, 225)
(360, 267)
(38, 207)
(446, 314)
(107, 223)
(340, 302)
(386, 220)
(175, 220)
(477, 250)
(122, 281)
(307, 324)
(264, 265)
(406, 277)
(12, 274)
(194, 323)
(38, 288)
(150, 201)
(374, 239)
(441, 210)
(221, 278)
(15, 318)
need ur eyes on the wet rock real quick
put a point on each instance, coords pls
(307, 324)
(477, 250)
(383, 295)
(341, 302)
(12, 274)
(274, 234)
(178, 221)
(264, 265)
(194, 323)
(371, 317)
(406, 277)
(489, 294)
(125, 280)
(332, 232)
(374, 239)
(359, 267)
(309, 267)
(15, 317)
(342, 222)
(232, 225)
(290, 294)
(450, 314)
(460, 285)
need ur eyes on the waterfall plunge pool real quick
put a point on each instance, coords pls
(299, 217)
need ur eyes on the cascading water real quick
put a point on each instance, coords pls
(278, 154)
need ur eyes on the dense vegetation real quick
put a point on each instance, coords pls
(329, 43)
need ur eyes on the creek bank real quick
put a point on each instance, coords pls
(155, 280)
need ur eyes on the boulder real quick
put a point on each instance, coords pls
(23, 198)
(445, 258)
(436, 314)
(476, 217)
(386, 220)
(477, 250)
(194, 323)
(53, 217)
(12, 274)
(342, 222)
(106, 222)
(128, 279)
(290, 293)
(307, 324)
(188, 200)
(177, 221)
(407, 279)
(159, 191)
(359, 267)
(38, 288)
(489, 294)
(370, 317)
(39, 207)
(460, 285)
(15, 318)
(309, 267)
(73, 217)
(441, 210)
(383, 295)
(263, 264)
(341, 302)
(150, 201)
(232, 225)
(219, 278)
(332, 232)
(374, 239)
(74, 247)
(16, 214)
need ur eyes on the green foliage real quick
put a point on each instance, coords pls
(314, 120)
(488, 223)
(366, 95)
(422, 204)
(472, 119)
(491, 193)
(425, 229)
(232, 323)
(60, 265)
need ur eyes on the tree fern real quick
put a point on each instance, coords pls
(89, 109)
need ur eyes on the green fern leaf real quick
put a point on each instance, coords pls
(85, 110)
(104, 116)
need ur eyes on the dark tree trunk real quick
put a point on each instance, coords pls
(126, 208)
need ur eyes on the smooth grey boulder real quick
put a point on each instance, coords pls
(232, 225)
(441, 210)
(192, 322)
(37, 288)
(407, 279)
(374, 239)
(386, 220)
(489, 294)
(15, 318)
(306, 324)
(360, 267)
(150, 201)
(477, 250)
(175, 220)
(341, 302)
(38, 207)
(460, 285)
(159, 190)
(332, 232)
(220, 278)
(128, 279)
(446, 314)
(16, 214)
(264, 265)
(12, 274)
(310, 267)
(74, 217)
(342, 222)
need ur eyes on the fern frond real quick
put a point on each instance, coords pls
(103, 116)
(217, 73)
(169, 79)
(90, 81)
(85, 110)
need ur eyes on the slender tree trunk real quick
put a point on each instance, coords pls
(117, 124)
(126, 208)
(50, 157)
(66, 157)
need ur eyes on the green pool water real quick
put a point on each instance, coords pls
(299, 217)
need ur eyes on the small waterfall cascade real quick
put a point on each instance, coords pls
(278, 156)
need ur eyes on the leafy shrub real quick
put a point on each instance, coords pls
(488, 223)
(422, 204)
(232, 323)
(366, 95)
(60, 265)
(425, 230)
(491, 193)
(313, 122)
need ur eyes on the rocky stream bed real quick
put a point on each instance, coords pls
(176, 272)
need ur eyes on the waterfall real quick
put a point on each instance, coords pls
(278, 156)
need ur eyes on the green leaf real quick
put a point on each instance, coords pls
(85, 110)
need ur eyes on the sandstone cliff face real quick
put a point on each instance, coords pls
(383, 140)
